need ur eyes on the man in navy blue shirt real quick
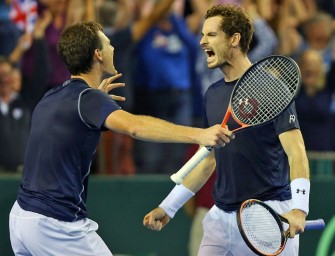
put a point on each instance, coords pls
(49, 216)
(268, 163)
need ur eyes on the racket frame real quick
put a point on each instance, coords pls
(276, 216)
(317, 224)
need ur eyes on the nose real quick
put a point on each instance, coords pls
(203, 40)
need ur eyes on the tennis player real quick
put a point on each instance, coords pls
(49, 216)
(268, 163)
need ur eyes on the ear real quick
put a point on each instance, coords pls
(98, 55)
(235, 39)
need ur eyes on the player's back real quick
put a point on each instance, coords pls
(58, 156)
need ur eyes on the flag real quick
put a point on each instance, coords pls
(24, 14)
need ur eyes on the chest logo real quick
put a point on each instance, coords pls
(247, 108)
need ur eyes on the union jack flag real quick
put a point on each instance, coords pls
(24, 14)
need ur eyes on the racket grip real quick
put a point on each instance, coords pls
(179, 176)
(315, 224)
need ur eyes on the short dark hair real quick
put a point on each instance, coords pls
(77, 44)
(234, 20)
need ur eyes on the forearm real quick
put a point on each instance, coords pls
(21, 47)
(152, 129)
(141, 27)
(199, 176)
(299, 167)
(181, 194)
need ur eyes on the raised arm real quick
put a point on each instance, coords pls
(142, 26)
(266, 38)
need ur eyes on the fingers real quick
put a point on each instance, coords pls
(106, 85)
(295, 230)
(151, 223)
(221, 142)
(229, 133)
(156, 219)
(118, 98)
(287, 233)
(297, 222)
(225, 136)
(114, 85)
(112, 78)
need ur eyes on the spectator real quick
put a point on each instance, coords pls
(313, 103)
(264, 40)
(9, 33)
(58, 10)
(124, 30)
(15, 119)
(163, 88)
(34, 84)
(317, 34)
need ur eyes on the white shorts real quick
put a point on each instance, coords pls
(35, 234)
(196, 231)
(222, 237)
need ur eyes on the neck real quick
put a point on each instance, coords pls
(93, 78)
(235, 68)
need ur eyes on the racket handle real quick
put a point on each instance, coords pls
(179, 176)
(315, 224)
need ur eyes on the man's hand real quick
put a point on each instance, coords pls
(217, 135)
(156, 219)
(297, 221)
(107, 85)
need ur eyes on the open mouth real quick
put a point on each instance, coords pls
(210, 54)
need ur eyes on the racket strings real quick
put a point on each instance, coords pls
(265, 91)
(261, 228)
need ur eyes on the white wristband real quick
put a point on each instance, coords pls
(300, 194)
(178, 196)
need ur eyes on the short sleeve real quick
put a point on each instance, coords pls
(288, 120)
(95, 106)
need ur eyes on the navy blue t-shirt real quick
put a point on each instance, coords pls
(254, 164)
(65, 131)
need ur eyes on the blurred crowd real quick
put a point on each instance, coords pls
(158, 53)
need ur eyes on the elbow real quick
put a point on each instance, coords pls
(135, 131)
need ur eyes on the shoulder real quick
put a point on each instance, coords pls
(216, 84)
(219, 86)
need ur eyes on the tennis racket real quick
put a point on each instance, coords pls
(262, 228)
(262, 93)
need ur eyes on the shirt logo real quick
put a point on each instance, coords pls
(292, 119)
